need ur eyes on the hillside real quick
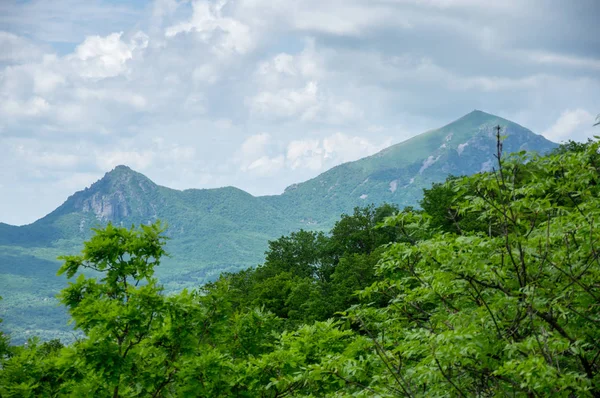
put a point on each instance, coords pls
(224, 229)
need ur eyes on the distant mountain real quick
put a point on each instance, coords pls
(399, 173)
(225, 229)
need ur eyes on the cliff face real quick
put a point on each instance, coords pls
(107, 207)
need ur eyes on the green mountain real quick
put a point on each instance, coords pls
(399, 173)
(225, 229)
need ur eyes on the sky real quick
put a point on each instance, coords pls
(260, 94)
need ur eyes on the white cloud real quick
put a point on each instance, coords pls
(162, 8)
(138, 160)
(291, 87)
(329, 81)
(344, 148)
(255, 145)
(563, 60)
(123, 97)
(226, 35)
(14, 48)
(266, 165)
(223, 124)
(337, 148)
(101, 57)
(254, 156)
(263, 155)
(205, 74)
(33, 107)
(32, 154)
(305, 154)
(342, 18)
(284, 68)
(46, 80)
(576, 125)
(286, 103)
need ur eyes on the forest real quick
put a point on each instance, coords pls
(490, 288)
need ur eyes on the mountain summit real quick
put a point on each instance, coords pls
(120, 194)
(399, 173)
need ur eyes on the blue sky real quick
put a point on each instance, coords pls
(261, 94)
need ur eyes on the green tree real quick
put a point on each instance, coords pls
(514, 313)
(441, 203)
(37, 369)
(4, 342)
(356, 233)
(300, 253)
(126, 351)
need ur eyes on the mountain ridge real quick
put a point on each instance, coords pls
(472, 118)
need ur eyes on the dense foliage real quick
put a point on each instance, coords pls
(493, 289)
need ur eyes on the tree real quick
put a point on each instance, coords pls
(4, 343)
(126, 351)
(441, 203)
(356, 233)
(515, 313)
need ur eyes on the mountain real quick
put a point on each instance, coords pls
(226, 229)
(399, 173)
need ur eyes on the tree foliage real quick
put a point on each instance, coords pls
(491, 289)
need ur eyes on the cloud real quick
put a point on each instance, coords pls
(264, 155)
(255, 145)
(33, 107)
(256, 156)
(131, 99)
(564, 60)
(261, 94)
(36, 156)
(266, 165)
(305, 154)
(285, 68)
(66, 21)
(101, 57)
(343, 148)
(576, 125)
(76, 92)
(226, 35)
(317, 155)
(286, 103)
(291, 86)
(137, 160)
(16, 49)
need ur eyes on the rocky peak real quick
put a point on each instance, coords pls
(122, 193)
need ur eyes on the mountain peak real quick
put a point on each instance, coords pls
(120, 177)
(479, 112)
(122, 192)
(121, 168)
(477, 116)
